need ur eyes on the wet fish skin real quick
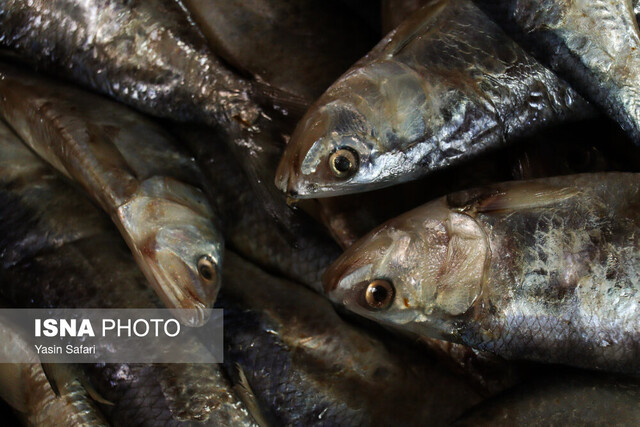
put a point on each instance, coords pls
(297, 48)
(541, 270)
(133, 169)
(309, 367)
(601, 64)
(562, 399)
(147, 54)
(447, 85)
(79, 260)
(26, 388)
(300, 253)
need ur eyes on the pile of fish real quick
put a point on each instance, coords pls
(436, 226)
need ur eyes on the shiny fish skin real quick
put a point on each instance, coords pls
(70, 254)
(25, 387)
(445, 86)
(147, 54)
(295, 47)
(134, 171)
(309, 367)
(543, 270)
(602, 65)
(300, 253)
(562, 400)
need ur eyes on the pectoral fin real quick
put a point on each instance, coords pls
(510, 197)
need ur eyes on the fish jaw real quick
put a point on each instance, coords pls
(168, 226)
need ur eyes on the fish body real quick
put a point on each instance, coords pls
(542, 270)
(56, 241)
(147, 54)
(560, 400)
(134, 171)
(445, 86)
(594, 45)
(297, 48)
(307, 366)
(27, 389)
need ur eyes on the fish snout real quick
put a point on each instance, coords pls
(193, 315)
(285, 180)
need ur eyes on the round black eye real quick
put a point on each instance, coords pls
(379, 294)
(206, 268)
(343, 163)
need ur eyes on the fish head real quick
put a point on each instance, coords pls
(359, 136)
(177, 246)
(418, 272)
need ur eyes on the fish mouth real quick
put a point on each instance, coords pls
(188, 308)
(284, 179)
(194, 316)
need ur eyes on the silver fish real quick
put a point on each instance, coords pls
(147, 54)
(28, 390)
(444, 86)
(602, 64)
(70, 255)
(542, 270)
(134, 171)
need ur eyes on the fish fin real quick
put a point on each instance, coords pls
(51, 373)
(285, 103)
(518, 196)
(248, 397)
(60, 375)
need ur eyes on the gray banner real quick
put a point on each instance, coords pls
(108, 336)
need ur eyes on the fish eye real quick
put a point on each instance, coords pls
(379, 294)
(343, 162)
(206, 268)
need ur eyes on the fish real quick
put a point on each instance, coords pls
(295, 49)
(307, 366)
(443, 87)
(393, 12)
(300, 253)
(27, 388)
(136, 172)
(562, 399)
(147, 54)
(66, 249)
(541, 270)
(599, 64)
